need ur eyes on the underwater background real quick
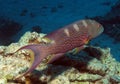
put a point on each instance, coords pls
(24, 22)
(18, 17)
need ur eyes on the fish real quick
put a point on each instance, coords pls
(75, 35)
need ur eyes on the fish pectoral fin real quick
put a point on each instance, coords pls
(54, 57)
(77, 50)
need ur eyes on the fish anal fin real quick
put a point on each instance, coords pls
(54, 57)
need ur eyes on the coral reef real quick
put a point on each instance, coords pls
(93, 65)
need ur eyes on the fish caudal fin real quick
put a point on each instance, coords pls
(36, 54)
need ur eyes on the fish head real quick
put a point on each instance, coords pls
(94, 28)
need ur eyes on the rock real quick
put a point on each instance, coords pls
(60, 80)
(3, 81)
(115, 79)
(12, 48)
(29, 37)
(95, 66)
(2, 49)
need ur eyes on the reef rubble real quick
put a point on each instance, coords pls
(93, 65)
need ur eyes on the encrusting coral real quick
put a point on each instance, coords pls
(93, 65)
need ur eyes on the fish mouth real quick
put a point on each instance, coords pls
(101, 30)
(96, 32)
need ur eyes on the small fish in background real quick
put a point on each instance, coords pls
(75, 35)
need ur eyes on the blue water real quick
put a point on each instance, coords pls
(54, 14)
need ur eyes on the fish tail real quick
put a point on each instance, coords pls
(37, 55)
